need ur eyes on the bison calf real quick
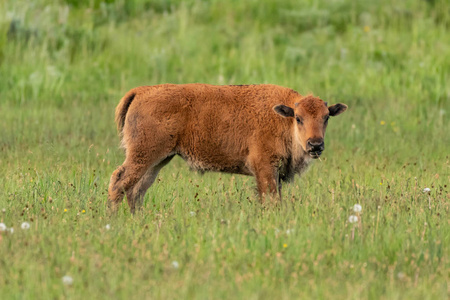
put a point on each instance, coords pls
(266, 131)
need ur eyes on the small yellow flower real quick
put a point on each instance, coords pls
(284, 245)
(381, 183)
(382, 123)
(83, 211)
(65, 209)
(392, 123)
(366, 28)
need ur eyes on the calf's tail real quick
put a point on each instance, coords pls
(122, 109)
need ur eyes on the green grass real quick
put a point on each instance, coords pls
(64, 65)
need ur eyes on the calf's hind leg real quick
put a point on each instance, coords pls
(148, 147)
(131, 172)
(125, 177)
(135, 196)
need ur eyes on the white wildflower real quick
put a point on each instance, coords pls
(4, 210)
(25, 225)
(2, 227)
(353, 219)
(108, 227)
(11, 230)
(357, 208)
(192, 213)
(175, 264)
(67, 280)
(426, 190)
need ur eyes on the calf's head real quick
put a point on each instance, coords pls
(310, 118)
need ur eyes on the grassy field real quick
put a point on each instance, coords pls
(65, 64)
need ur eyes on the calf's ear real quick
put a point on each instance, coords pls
(337, 109)
(284, 110)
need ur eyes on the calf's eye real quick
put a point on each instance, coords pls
(298, 120)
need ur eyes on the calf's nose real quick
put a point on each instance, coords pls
(315, 145)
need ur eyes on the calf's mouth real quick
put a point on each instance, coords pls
(315, 154)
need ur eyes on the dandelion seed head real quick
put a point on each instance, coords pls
(426, 190)
(11, 230)
(107, 227)
(67, 280)
(357, 208)
(192, 213)
(2, 227)
(175, 264)
(25, 225)
(353, 219)
(4, 210)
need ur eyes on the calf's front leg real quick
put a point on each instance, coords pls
(266, 179)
